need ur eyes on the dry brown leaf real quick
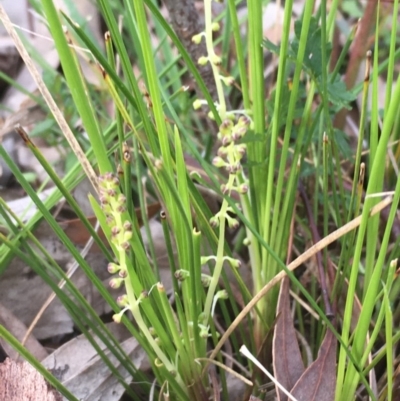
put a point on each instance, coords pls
(27, 114)
(78, 366)
(24, 293)
(18, 330)
(23, 207)
(318, 382)
(287, 360)
(35, 31)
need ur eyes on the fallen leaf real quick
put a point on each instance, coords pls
(23, 292)
(18, 330)
(287, 361)
(318, 382)
(79, 368)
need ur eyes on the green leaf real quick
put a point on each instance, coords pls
(342, 142)
(339, 95)
(273, 48)
(251, 136)
(313, 54)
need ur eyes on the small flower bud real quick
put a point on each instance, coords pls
(215, 27)
(197, 38)
(103, 199)
(232, 222)
(123, 273)
(202, 60)
(216, 60)
(222, 294)
(197, 104)
(234, 168)
(206, 259)
(121, 200)
(239, 133)
(111, 192)
(127, 226)
(214, 221)
(205, 280)
(113, 268)
(235, 263)
(117, 317)
(125, 245)
(116, 282)
(243, 189)
(238, 166)
(222, 151)
(246, 242)
(211, 116)
(242, 131)
(121, 209)
(107, 210)
(226, 140)
(110, 220)
(181, 275)
(241, 149)
(122, 300)
(100, 180)
(127, 236)
(108, 180)
(228, 81)
(226, 127)
(219, 162)
(115, 231)
(224, 189)
(203, 331)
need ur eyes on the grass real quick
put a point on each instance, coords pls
(265, 152)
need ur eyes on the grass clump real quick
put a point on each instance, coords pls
(253, 182)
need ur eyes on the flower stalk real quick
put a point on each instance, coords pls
(229, 156)
(113, 204)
